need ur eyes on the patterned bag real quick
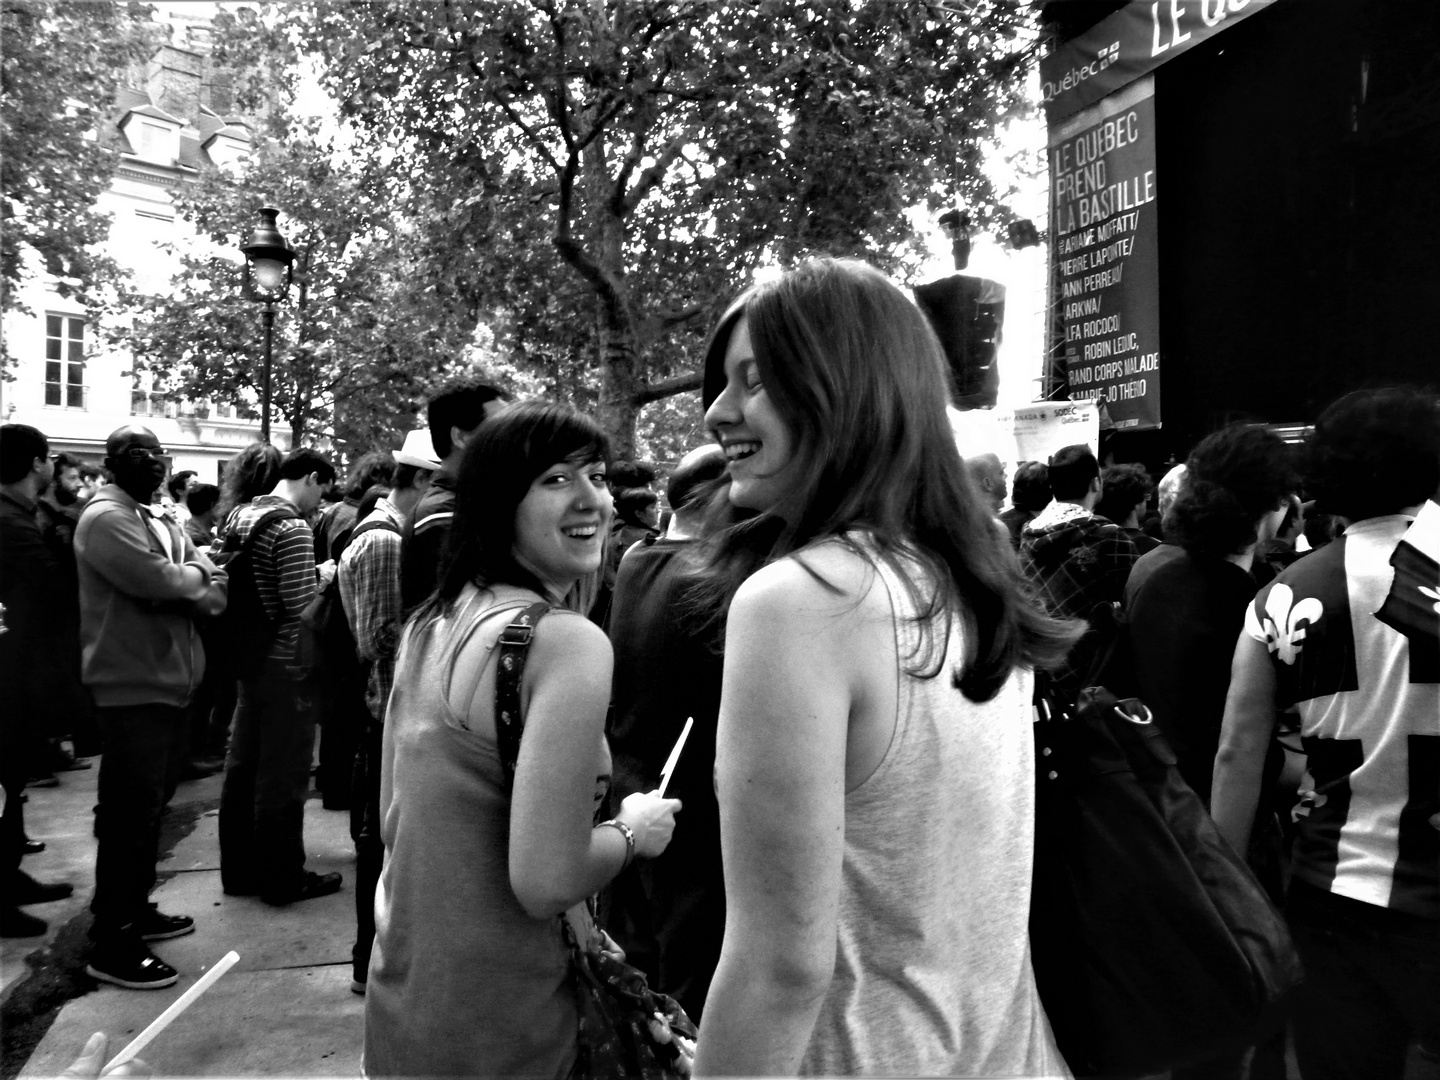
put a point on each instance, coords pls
(626, 1029)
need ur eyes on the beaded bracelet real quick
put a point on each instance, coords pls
(629, 835)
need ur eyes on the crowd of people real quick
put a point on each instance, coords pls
(500, 644)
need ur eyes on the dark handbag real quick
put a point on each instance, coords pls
(626, 1029)
(1153, 945)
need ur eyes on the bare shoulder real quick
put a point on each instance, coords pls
(569, 637)
(824, 580)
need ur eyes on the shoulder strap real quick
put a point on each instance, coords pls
(232, 544)
(514, 646)
(347, 537)
(371, 526)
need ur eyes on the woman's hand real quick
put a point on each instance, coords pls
(651, 819)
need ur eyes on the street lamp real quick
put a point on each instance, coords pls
(268, 272)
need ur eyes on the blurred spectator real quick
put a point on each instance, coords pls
(72, 712)
(250, 473)
(453, 415)
(92, 479)
(370, 590)
(1185, 602)
(336, 520)
(1078, 561)
(31, 590)
(203, 501)
(1029, 494)
(177, 489)
(1125, 489)
(668, 913)
(988, 475)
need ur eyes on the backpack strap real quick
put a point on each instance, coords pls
(234, 546)
(509, 719)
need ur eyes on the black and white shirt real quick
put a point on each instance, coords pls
(1354, 635)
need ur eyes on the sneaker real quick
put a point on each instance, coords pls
(132, 966)
(17, 923)
(357, 986)
(311, 886)
(155, 926)
(24, 889)
(31, 847)
(45, 780)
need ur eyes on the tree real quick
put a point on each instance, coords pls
(61, 65)
(366, 330)
(620, 167)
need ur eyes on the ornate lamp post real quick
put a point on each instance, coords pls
(268, 272)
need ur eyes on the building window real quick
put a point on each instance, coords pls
(65, 361)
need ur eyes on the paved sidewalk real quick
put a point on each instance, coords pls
(285, 1009)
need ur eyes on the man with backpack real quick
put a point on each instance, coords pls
(141, 585)
(269, 552)
(369, 578)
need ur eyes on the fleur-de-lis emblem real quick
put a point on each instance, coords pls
(1286, 622)
(1431, 594)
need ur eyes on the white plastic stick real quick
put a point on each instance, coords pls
(183, 1002)
(674, 757)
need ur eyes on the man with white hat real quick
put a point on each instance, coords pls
(370, 590)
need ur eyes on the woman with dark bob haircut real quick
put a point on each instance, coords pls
(469, 974)
(874, 761)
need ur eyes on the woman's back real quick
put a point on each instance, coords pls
(932, 970)
(462, 980)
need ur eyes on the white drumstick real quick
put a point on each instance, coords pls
(183, 1002)
(674, 757)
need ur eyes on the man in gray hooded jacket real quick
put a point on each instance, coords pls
(141, 583)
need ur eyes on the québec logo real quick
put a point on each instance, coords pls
(1287, 622)
(1076, 75)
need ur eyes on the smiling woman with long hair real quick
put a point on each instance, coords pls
(469, 974)
(875, 753)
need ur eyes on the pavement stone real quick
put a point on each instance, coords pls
(286, 1009)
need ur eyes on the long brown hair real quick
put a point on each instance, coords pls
(857, 374)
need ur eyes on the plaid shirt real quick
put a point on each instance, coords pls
(1079, 563)
(370, 591)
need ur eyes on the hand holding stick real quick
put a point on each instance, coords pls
(183, 1002)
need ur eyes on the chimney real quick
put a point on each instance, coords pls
(173, 81)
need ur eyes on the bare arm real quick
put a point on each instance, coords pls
(557, 858)
(780, 765)
(1244, 737)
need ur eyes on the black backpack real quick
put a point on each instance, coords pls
(326, 645)
(243, 633)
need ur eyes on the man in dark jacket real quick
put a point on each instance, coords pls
(31, 595)
(667, 669)
(141, 584)
(454, 415)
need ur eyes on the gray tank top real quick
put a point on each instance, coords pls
(932, 965)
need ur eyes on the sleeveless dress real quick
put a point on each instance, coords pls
(463, 982)
(932, 965)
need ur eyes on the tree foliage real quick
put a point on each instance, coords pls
(60, 65)
(618, 168)
(366, 329)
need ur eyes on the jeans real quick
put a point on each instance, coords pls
(1372, 983)
(267, 779)
(143, 750)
